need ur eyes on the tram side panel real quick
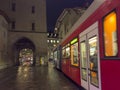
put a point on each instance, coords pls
(70, 61)
(108, 17)
(110, 55)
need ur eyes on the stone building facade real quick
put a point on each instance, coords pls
(3, 39)
(66, 21)
(26, 28)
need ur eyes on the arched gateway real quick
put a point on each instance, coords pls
(24, 52)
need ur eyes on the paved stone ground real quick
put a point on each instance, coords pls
(34, 78)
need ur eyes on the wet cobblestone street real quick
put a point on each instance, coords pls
(34, 78)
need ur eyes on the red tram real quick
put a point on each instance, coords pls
(90, 53)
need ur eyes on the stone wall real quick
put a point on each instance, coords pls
(38, 39)
(3, 42)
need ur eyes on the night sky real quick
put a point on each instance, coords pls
(55, 8)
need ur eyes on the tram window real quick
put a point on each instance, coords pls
(63, 52)
(83, 60)
(74, 53)
(110, 34)
(93, 55)
(67, 52)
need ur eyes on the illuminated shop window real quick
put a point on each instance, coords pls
(110, 34)
(74, 52)
(51, 41)
(57, 41)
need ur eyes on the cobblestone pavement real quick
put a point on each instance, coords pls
(34, 78)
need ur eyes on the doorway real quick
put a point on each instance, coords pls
(89, 58)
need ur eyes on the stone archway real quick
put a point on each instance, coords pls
(23, 43)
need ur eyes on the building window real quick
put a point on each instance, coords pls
(110, 34)
(13, 24)
(33, 26)
(33, 9)
(14, 7)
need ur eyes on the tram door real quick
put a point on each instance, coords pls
(89, 58)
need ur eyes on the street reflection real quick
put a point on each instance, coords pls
(24, 73)
(35, 78)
